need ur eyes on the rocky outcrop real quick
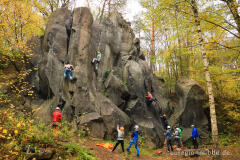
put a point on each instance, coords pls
(188, 111)
(115, 93)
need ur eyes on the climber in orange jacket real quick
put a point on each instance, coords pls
(149, 98)
(57, 118)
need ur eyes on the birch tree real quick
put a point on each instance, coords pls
(207, 74)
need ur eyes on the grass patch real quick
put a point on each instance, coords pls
(229, 139)
(81, 152)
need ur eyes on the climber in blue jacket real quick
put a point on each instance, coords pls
(194, 137)
(68, 68)
(134, 140)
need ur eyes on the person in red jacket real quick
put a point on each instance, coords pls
(149, 98)
(57, 118)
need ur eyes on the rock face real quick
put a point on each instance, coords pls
(115, 93)
(188, 111)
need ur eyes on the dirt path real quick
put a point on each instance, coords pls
(106, 154)
(102, 153)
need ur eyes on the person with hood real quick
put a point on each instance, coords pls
(169, 138)
(57, 118)
(120, 138)
(134, 140)
(195, 135)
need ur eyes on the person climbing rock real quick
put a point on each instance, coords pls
(97, 60)
(120, 138)
(169, 138)
(149, 98)
(134, 140)
(164, 119)
(176, 137)
(195, 135)
(56, 118)
(68, 68)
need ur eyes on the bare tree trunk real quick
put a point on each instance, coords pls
(109, 8)
(104, 3)
(74, 4)
(233, 7)
(88, 4)
(152, 55)
(207, 76)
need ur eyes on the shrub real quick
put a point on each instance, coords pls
(18, 130)
(82, 152)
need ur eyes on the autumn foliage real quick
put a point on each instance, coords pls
(177, 52)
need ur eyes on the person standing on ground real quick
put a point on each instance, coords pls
(177, 140)
(195, 135)
(180, 136)
(120, 138)
(169, 138)
(134, 140)
(57, 118)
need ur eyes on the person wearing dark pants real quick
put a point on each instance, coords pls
(195, 135)
(120, 138)
(195, 143)
(169, 138)
(119, 142)
(177, 139)
(164, 119)
(149, 99)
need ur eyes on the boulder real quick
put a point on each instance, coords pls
(188, 111)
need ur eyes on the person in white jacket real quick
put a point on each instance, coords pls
(177, 138)
(120, 138)
(96, 61)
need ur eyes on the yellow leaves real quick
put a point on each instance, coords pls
(12, 152)
(4, 131)
(1, 128)
(2, 136)
(16, 132)
(19, 125)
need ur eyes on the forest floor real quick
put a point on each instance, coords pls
(228, 152)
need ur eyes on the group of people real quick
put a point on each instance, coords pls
(68, 68)
(134, 139)
(176, 133)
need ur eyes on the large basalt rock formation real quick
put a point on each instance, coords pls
(115, 94)
(188, 111)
